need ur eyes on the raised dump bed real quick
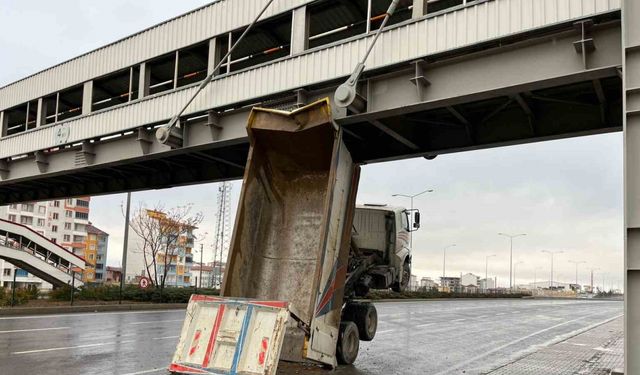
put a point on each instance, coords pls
(293, 226)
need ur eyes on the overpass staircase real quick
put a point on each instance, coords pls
(30, 251)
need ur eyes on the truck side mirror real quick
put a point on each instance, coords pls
(416, 220)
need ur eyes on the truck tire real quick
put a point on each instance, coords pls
(403, 283)
(365, 316)
(348, 343)
(367, 321)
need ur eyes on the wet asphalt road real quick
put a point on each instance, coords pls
(434, 337)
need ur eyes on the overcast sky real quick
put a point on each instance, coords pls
(565, 195)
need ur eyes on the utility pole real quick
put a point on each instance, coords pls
(201, 252)
(411, 210)
(577, 263)
(125, 246)
(511, 237)
(552, 253)
(486, 270)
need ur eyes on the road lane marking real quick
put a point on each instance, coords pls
(385, 331)
(425, 325)
(158, 321)
(96, 313)
(72, 347)
(165, 338)
(490, 352)
(458, 320)
(147, 371)
(35, 330)
(500, 314)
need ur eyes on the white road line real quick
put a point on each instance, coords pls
(35, 330)
(385, 331)
(481, 316)
(158, 321)
(165, 338)
(490, 352)
(91, 314)
(499, 314)
(147, 371)
(458, 320)
(71, 347)
(425, 325)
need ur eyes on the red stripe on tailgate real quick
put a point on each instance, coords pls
(212, 339)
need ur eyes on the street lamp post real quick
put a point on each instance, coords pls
(514, 273)
(552, 253)
(411, 198)
(444, 259)
(511, 237)
(593, 269)
(486, 270)
(577, 263)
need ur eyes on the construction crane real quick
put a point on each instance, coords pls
(222, 234)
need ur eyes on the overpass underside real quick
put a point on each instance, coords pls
(563, 81)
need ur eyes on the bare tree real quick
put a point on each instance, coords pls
(162, 232)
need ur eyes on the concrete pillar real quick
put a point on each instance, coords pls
(3, 124)
(143, 83)
(41, 116)
(631, 118)
(300, 30)
(419, 8)
(87, 97)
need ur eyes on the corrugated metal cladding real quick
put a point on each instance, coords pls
(474, 24)
(202, 24)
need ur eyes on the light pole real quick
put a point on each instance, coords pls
(511, 237)
(577, 263)
(552, 253)
(411, 198)
(514, 272)
(444, 259)
(593, 269)
(486, 270)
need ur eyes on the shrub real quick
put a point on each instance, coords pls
(129, 293)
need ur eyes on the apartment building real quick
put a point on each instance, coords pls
(95, 254)
(62, 221)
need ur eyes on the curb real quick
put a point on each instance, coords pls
(386, 300)
(19, 311)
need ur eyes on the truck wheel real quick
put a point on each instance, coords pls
(403, 283)
(348, 343)
(365, 316)
(367, 321)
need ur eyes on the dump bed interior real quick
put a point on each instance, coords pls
(278, 245)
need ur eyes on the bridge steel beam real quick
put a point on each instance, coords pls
(631, 118)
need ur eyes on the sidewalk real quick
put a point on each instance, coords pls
(598, 351)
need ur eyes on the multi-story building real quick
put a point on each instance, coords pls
(95, 254)
(62, 221)
(470, 279)
(450, 284)
(179, 259)
(428, 284)
(114, 275)
(486, 284)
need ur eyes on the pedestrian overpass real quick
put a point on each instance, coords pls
(32, 252)
(445, 76)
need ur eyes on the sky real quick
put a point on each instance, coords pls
(566, 195)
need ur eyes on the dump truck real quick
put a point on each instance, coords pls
(300, 255)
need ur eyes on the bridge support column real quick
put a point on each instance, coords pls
(300, 30)
(631, 115)
(419, 8)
